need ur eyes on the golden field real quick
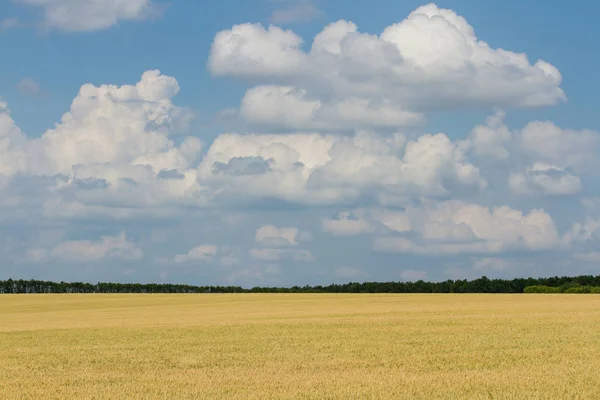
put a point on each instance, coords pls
(306, 346)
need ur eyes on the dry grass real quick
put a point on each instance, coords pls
(300, 346)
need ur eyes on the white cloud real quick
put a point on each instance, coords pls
(490, 140)
(277, 243)
(111, 149)
(582, 232)
(107, 247)
(454, 227)
(565, 147)
(431, 60)
(83, 16)
(290, 108)
(206, 252)
(117, 125)
(12, 141)
(546, 179)
(326, 169)
(270, 235)
(117, 152)
(255, 51)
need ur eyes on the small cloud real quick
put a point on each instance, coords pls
(9, 23)
(29, 86)
(87, 16)
(270, 235)
(205, 252)
(302, 12)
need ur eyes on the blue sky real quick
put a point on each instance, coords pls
(416, 151)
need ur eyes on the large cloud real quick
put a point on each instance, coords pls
(81, 16)
(317, 169)
(111, 149)
(454, 227)
(550, 143)
(543, 178)
(291, 108)
(431, 60)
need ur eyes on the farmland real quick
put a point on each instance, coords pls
(423, 346)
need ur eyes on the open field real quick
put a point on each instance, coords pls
(300, 346)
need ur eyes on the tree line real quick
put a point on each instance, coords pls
(577, 284)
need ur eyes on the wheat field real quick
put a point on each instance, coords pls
(307, 346)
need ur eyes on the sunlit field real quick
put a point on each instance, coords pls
(300, 346)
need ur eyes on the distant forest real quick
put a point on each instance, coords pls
(577, 284)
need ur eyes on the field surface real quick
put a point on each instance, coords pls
(305, 346)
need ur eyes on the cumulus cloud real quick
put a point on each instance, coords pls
(547, 179)
(552, 144)
(291, 108)
(12, 144)
(582, 232)
(206, 252)
(491, 139)
(270, 235)
(432, 60)
(83, 16)
(127, 125)
(276, 244)
(454, 227)
(117, 138)
(317, 169)
(117, 247)
(113, 153)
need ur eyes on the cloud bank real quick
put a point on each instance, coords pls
(328, 184)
